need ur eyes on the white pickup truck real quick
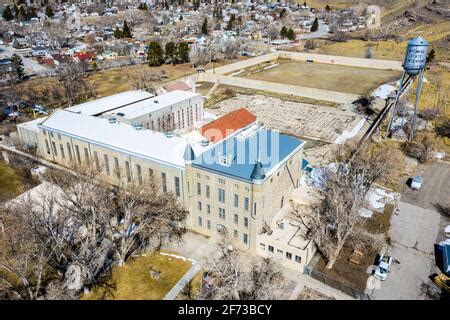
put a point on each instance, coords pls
(384, 264)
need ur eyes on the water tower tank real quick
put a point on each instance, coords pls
(416, 55)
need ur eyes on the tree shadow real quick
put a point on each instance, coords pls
(444, 210)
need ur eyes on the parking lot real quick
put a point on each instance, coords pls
(414, 231)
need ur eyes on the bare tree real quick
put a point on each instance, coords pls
(231, 274)
(332, 216)
(71, 76)
(143, 80)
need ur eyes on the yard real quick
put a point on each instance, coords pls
(326, 76)
(137, 279)
(11, 183)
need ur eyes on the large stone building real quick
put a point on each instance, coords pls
(232, 174)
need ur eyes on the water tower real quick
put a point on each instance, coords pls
(413, 67)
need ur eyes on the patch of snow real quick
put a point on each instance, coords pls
(365, 213)
(350, 134)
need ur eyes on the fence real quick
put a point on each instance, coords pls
(355, 293)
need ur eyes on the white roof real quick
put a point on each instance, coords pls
(32, 125)
(156, 103)
(118, 136)
(111, 102)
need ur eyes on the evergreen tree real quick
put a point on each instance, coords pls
(126, 31)
(205, 27)
(118, 33)
(171, 52)
(181, 18)
(230, 24)
(431, 55)
(290, 34)
(49, 11)
(315, 25)
(283, 32)
(282, 13)
(31, 13)
(327, 8)
(22, 14)
(16, 11)
(155, 54)
(183, 52)
(8, 14)
(17, 63)
(304, 4)
(143, 6)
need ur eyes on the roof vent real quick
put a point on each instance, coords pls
(121, 114)
(112, 120)
(204, 142)
(138, 126)
(169, 134)
(155, 101)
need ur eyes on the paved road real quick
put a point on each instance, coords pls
(414, 231)
(322, 31)
(30, 66)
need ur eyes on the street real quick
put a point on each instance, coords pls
(414, 231)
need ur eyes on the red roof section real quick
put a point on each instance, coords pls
(226, 125)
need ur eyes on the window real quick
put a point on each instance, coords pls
(254, 208)
(208, 224)
(199, 189)
(236, 200)
(150, 173)
(116, 163)
(199, 206)
(222, 195)
(270, 249)
(208, 209)
(236, 186)
(245, 238)
(298, 259)
(222, 213)
(139, 173)
(97, 163)
(54, 149)
(69, 151)
(282, 202)
(77, 153)
(236, 234)
(289, 255)
(105, 159)
(164, 182)
(86, 155)
(221, 181)
(246, 204)
(236, 219)
(61, 148)
(59, 136)
(245, 222)
(207, 191)
(280, 252)
(177, 186)
(200, 222)
(46, 146)
(51, 134)
(262, 246)
(128, 171)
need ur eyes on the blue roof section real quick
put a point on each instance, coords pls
(236, 156)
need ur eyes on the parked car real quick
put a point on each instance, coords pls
(416, 182)
(384, 264)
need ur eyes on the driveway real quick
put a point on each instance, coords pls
(414, 231)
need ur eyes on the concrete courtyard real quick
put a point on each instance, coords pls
(293, 118)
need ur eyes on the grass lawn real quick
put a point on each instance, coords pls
(191, 290)
(134, 282)
(326, 76)
(11, 183)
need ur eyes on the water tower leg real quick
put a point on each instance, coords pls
(416, 107)
(399, 91)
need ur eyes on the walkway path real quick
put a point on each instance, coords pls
(173, 293)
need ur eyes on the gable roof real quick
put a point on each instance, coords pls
(221, 128)
(179, 85)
